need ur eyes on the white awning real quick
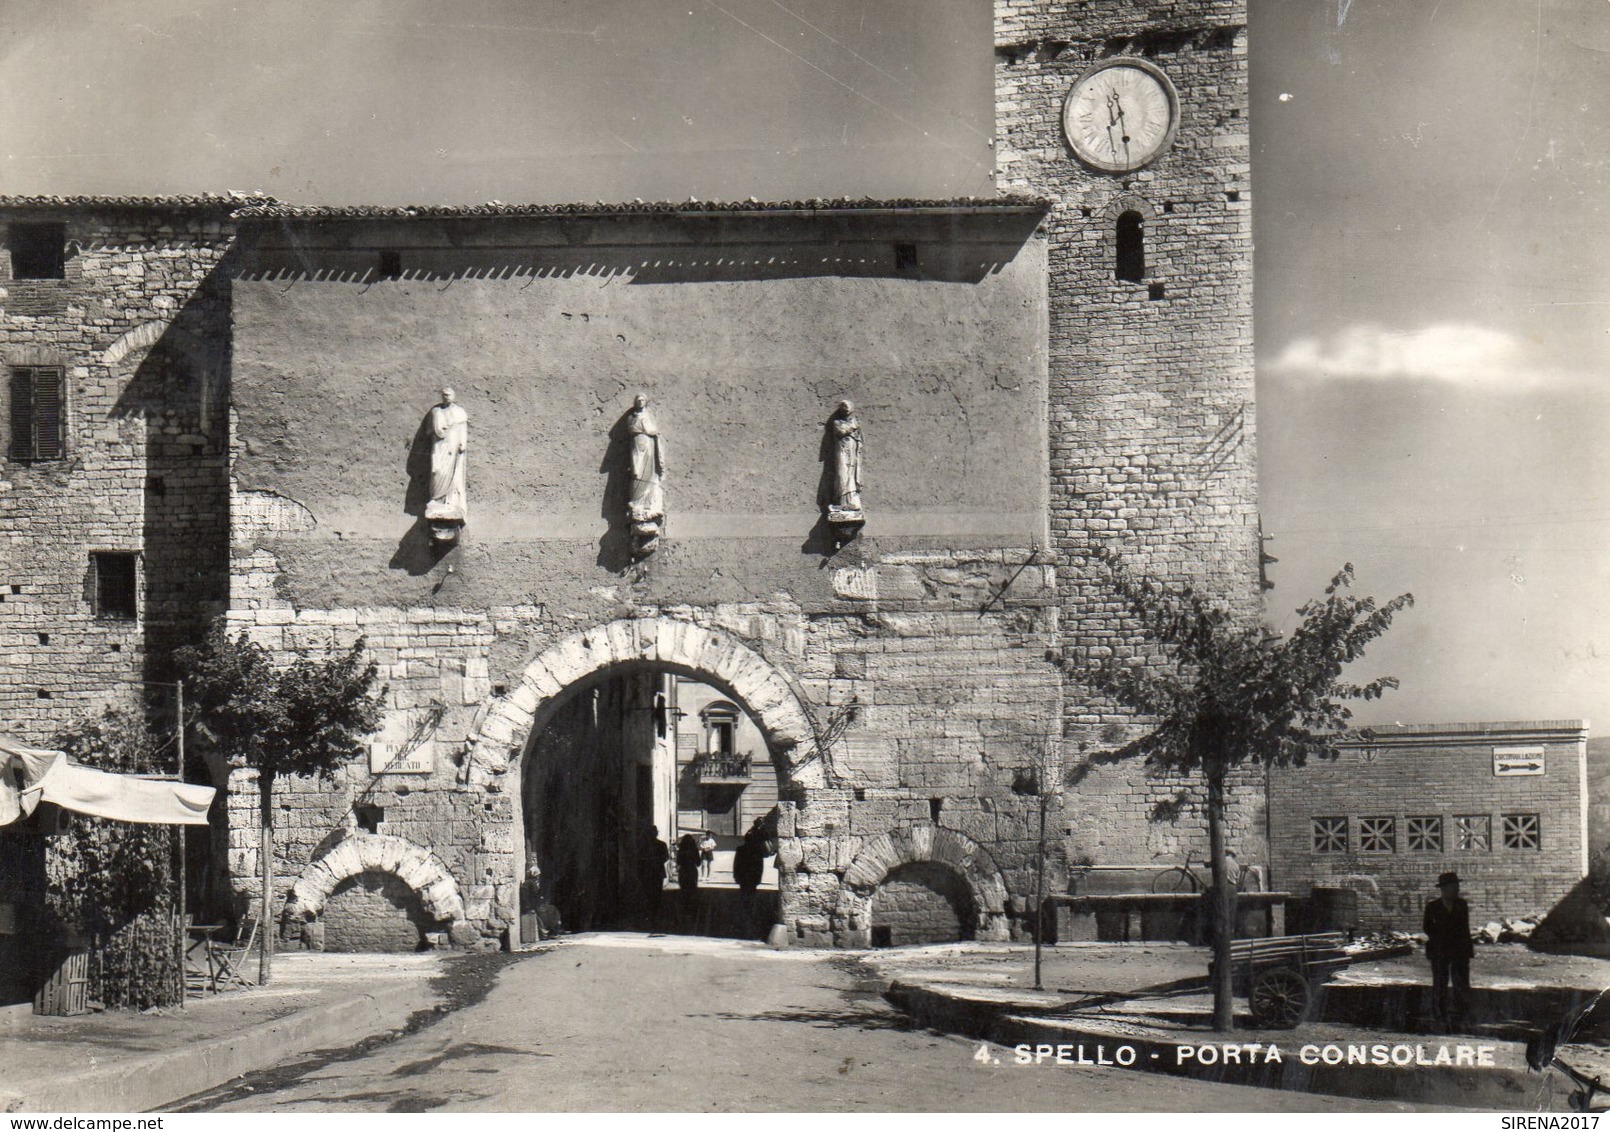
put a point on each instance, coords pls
(29, 776)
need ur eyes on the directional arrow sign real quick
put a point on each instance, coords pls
(1510, 762)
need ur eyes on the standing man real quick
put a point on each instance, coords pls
(748, 867)
(1448, 946)
(651, 858)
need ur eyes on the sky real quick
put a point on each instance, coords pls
(1431, 185)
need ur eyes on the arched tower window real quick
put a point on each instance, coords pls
(1129, 260)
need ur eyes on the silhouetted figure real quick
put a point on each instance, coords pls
(1448, 946)
(687, 877)
(651, 859)
(748, 866)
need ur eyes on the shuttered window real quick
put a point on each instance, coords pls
(37, 405)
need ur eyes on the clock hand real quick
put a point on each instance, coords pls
(1115, 118)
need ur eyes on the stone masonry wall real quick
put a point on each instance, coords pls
(928, 706)
(1151, 386)
(1444, 773)
(921, 903)
(375, 911)
(139, 327)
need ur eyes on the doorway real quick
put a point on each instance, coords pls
(626, 764)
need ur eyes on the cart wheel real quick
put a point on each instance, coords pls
(1279, 998)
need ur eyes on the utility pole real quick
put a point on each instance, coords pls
(1039, 895)
(178, 709)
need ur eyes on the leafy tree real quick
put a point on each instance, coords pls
(308, 718)
(1221, 692)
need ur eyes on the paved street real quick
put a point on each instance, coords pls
(633, 1023)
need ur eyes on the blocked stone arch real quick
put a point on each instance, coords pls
(911, 845)
(716, 657)
(414, 865)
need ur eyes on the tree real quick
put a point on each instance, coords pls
(1220, 692)
(308, 718)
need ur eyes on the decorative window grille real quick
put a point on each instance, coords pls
(1425, 834)
(36, 413)
(1330, 835)
(1523, 831)
(1473, 833)
(1378, 835)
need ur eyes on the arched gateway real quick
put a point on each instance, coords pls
(501, 738)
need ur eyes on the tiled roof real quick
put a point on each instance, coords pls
(210, 202)
(600, 208)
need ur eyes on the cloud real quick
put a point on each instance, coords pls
(1454, 353)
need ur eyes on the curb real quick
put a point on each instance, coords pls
(1506, 1085)
(146, 1083)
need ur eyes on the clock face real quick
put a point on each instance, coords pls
(1120, 115)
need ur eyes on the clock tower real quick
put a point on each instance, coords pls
(1130, 116)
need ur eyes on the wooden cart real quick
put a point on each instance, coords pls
(1281, 976)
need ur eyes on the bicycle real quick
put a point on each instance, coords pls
(1183, 879)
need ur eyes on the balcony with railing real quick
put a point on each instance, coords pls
(723, 770)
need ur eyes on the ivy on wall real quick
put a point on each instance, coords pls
(112, 886)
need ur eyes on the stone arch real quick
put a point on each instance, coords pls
(1128, 202)
(915, 844)
(498, 738)
(417, 867)
(770, 695)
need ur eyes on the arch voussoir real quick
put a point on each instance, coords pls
(414, 865)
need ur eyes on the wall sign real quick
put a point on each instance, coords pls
(1511, 762)
(405, 744)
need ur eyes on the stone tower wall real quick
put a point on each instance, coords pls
(139, 327)
(1151, 382)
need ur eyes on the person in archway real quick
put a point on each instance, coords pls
(687, 878)
(1448, 946)
(707, 854)
(748, 866)
(651, 858)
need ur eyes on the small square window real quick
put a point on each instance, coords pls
(1330, 835)
(38, 251)
(905, 257)
(1378, 835)
(116, 598)
(1523, 831)
(37, 417)
(1424, 834)
(1473, 833)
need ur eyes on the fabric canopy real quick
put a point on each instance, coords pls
(29, 776)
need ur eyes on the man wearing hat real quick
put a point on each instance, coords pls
(1448, 946)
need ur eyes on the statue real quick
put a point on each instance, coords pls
(645, 504)
(445, 511)
(844, 508)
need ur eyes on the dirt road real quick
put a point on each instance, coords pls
(633, 1023)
